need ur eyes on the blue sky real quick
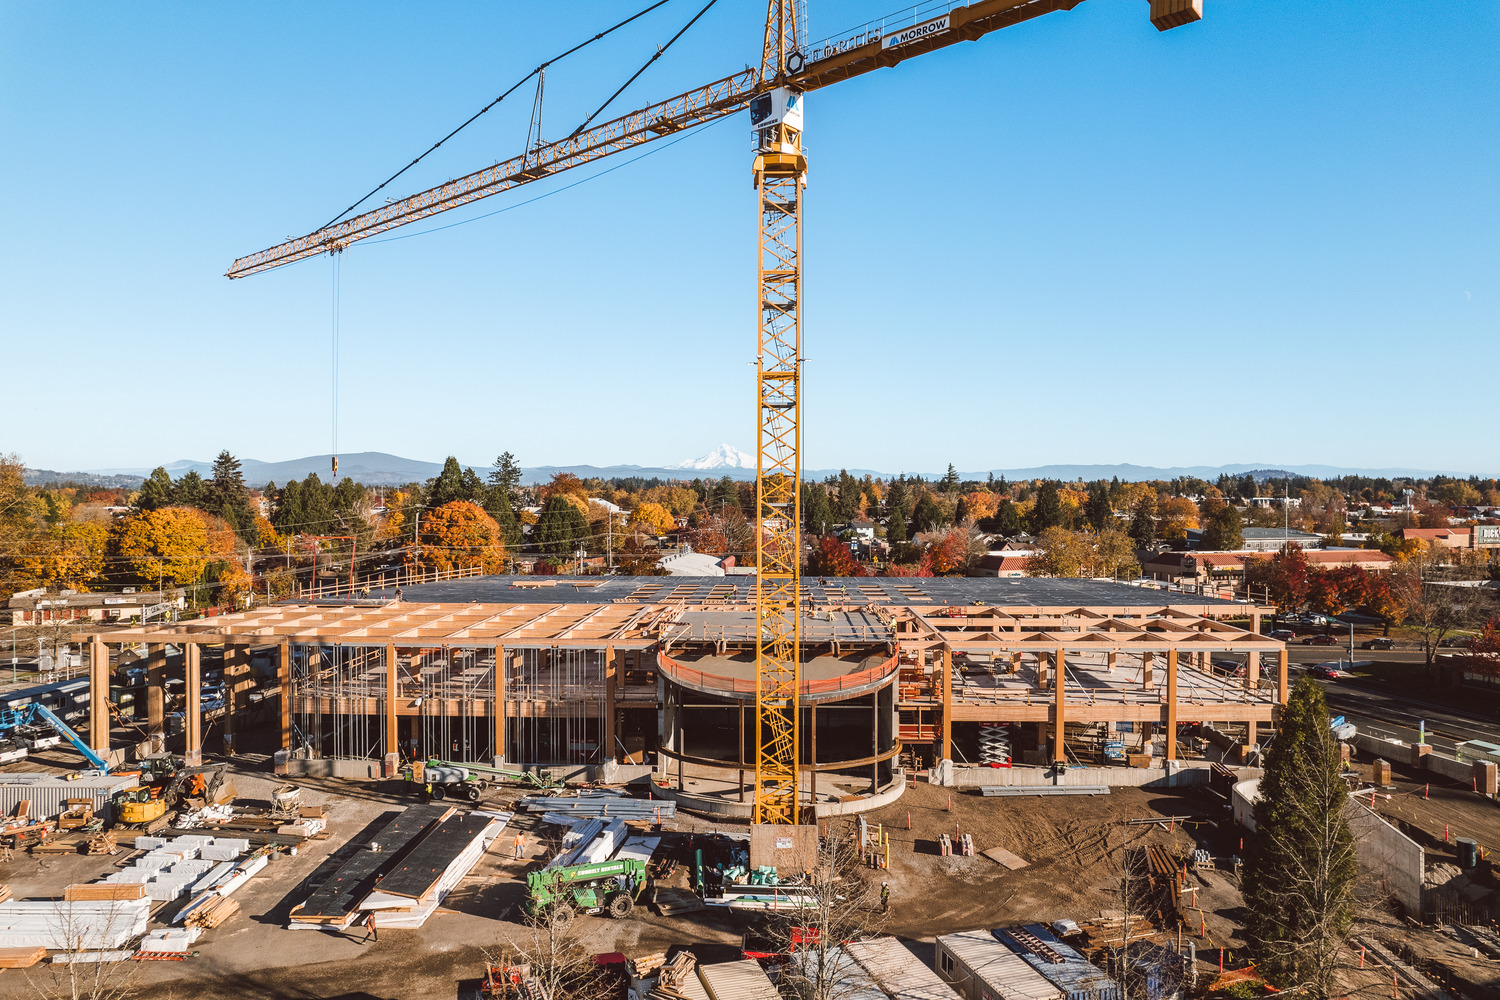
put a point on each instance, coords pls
(1266, 237)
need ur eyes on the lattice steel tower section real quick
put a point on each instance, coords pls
(780, 177)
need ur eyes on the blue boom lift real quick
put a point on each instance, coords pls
(12, 719)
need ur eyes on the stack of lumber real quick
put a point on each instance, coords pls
(213, 912)
(670, 902)
(20, 958)
(1112, 927)
(267, 827)
(645, 966)
(678, 980)
(103, 843)
(335, 902)
(102, 891)
(58, 845)
(5, 893)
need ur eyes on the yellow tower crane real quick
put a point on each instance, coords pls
(789, 69)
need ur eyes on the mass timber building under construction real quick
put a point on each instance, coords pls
(636, 674)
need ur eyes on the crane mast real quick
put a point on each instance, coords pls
(780, 172)
(789, 69)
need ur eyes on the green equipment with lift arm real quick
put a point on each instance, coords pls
(614, 887)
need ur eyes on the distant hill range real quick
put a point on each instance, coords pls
(375, 468)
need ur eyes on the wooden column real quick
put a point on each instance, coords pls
(284, 685)
(193, 713)
(1059, 711)
(740, 752)
(947, 704)
(1281, 676)
(1252, 672)
(99, 696)
(611, 679)
(1015, 661)
(1042, 671)
(314, 668)
(1171, 704)
(1148, 661)
(236, 663)
(156, 676)
(1109, 660)
(501, 656)
(392, 739)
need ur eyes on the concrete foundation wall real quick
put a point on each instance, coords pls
(1419, 757)
(1389, 854)
(1173, 775)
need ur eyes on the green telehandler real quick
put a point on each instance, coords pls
(555, 895)
(442, 779)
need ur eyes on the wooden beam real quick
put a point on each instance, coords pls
(611, 679)
(156, 676)
(1171, 704)
(1059, 717)
(284, 684)
(947, 746)
(1281, 676)
(392, 741)
(99, 696)
(193, 712)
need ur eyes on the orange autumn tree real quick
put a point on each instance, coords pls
(71, 554)
(168, 545)
(460, 534)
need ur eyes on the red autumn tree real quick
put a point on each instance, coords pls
(832, 558)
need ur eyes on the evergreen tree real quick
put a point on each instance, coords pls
(1300, 864)
(1047, 512)
(961, 511)
(1223, 529)
(817, 516)
(928, 515)
(227, 496)
(474, 490)
(1099, 513)
(286, 509)
(497, 505)
(847, 508)
(506, 477)
(1143, 522)
(156, 491)
(896, 499)
(1007, 520)
(949, 482)
(561, 529)
(190, 490)
(447, 485)
(895, 529)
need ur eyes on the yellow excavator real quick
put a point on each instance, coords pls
(167, 785)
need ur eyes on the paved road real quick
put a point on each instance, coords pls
(1397, 715)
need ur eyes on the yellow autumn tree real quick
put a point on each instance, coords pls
(394, 525)
(981, 503)
(656, 518)
(459, 535)
(167, 545)
(70, 555)
(1175, 517)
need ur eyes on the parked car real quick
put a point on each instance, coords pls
(1454, 640)
(1282, 635)
(1304, 618)
(1325, 670)
(1320, 640)
(1381, 643)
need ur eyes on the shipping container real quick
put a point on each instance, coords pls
(49, 793)
(897, 971)
(981, 968)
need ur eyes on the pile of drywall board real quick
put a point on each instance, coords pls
(174, 866)
(73, 925)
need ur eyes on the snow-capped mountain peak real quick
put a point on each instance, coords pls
(725, 456)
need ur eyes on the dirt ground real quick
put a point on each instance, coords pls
(1071, 842)
(1074, 846)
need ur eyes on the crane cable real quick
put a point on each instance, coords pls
(337, 256)
(517, 86)
(659, 52)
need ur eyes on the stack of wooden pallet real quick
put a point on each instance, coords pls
(5, 893)
(58, 845)
(214, 912)
(103, 843)
(1112, 928)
